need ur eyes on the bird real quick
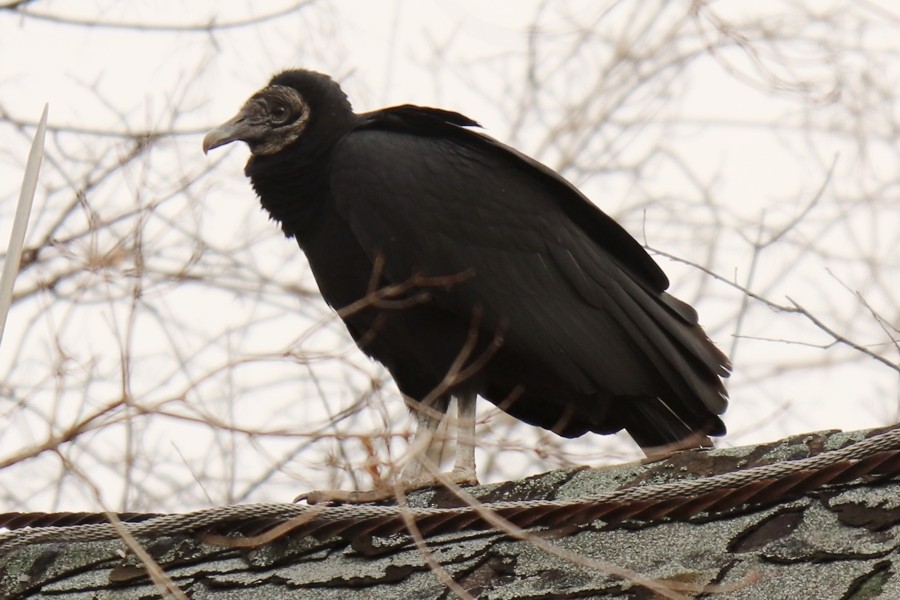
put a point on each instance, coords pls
(469, 269)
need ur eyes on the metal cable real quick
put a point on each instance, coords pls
(876, 456)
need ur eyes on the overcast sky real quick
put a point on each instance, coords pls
(751, 131)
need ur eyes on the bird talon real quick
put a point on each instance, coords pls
(347, 496)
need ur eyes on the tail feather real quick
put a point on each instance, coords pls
(656, 428)
(671, 327)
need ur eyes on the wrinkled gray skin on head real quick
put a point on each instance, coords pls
(272, 119)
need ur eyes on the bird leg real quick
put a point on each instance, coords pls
(464, 466)
(426, 449)
(423, 465)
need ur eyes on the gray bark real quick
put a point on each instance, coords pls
(837, 542)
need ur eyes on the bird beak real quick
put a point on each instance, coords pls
(235, 129)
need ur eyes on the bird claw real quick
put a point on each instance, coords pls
(345, 496)
(463, 478)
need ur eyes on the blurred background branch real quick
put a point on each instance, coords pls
(169, 341)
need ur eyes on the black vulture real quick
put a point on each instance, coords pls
(468, 268)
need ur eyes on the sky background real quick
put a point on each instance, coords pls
(755, 142)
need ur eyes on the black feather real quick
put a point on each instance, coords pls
(588, 338)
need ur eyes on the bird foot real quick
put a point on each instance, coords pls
(346, 496)
(460, 477)
(387, 492)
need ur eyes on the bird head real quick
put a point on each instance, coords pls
(272, 119)
(282, 112)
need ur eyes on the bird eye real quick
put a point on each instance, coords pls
(280, 113)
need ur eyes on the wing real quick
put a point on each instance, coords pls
(574, 291)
